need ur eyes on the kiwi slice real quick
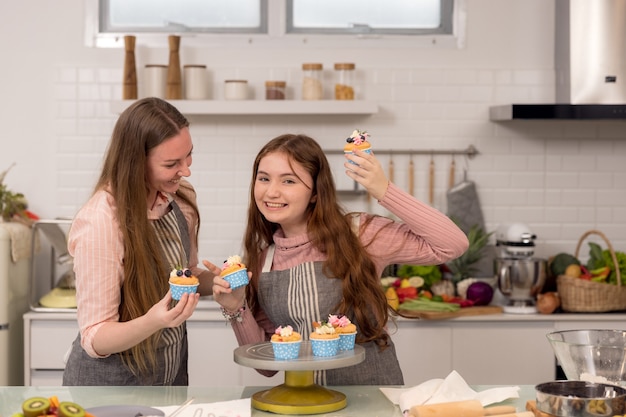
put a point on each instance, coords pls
(35, 406)
(70, 409)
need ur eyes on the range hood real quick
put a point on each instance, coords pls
(590, 64)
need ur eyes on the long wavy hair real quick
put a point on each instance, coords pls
(141, 127)
(331, 232)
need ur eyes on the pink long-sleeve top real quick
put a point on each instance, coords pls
(425, 236)
(95, 242)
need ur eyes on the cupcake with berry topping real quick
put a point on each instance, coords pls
(234, 271)
(286, 343)
(182, 281)
(324, 339)
(346, 330)
(357, 140)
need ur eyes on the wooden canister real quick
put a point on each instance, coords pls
(174, 89)
(129, 86)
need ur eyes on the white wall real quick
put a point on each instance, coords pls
(560, 178)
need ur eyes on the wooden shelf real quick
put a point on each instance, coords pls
(264, 107)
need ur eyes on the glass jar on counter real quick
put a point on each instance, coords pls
(235, 89)
(275, 90)
(344, 84)
(312, 88)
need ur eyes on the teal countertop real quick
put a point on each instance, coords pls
(363, 401)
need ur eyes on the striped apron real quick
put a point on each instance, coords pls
(303, 294)
(171, 366)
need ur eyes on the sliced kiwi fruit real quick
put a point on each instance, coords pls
(35, 406)
(70, 409)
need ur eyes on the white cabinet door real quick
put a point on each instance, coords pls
(424, 349)
(501, 353)
(50, 341)
(211, 346)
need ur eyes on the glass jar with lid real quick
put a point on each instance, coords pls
(312, 88)
(275, 90)
(344, 84)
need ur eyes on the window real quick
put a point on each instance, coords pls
(279, 23)
(211, 16)
(405, 17)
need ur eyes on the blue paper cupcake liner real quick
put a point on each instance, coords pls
(237, 279)
(346, 341)
(179, 290)
(286, 350)
(369, 150)
(325, 347)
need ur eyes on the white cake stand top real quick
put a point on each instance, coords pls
(261, 356)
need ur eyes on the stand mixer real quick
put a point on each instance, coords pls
(519, 275)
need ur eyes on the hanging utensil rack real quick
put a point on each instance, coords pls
(470, 152)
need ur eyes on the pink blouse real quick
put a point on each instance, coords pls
(95, 242)
(424, 236)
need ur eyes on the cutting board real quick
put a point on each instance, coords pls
(462, 312)
(531, 405)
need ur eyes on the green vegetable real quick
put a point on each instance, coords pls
(424, 304)
(560, 262)
(462, 267)
(430, 273)
(599, 258)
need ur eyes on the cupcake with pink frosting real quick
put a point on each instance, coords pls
(346, 330)
(286, 343)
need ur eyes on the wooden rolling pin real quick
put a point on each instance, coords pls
(469, 408)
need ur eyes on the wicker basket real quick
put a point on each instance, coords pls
(582, 296)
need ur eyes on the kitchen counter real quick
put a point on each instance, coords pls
(364, 401)
(489, 349)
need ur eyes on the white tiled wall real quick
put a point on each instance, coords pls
(560, 178)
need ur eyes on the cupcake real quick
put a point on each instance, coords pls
(324, 340)
(346, 330)
(357, 140)
(286, 343)
(235, 272)
(182, 281)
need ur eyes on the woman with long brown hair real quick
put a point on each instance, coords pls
(141, 222)
(308, 258)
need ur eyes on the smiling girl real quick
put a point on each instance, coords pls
(309, 259)
(141, 221)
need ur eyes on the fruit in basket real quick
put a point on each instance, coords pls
(560, 262)
(574, 271)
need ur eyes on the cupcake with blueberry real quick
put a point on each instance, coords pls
(357, 140)
(235, 272)
(182, 281)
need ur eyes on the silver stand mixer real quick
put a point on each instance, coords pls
(519, 275)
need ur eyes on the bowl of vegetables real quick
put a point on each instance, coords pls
(591, 355)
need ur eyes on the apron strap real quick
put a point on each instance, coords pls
(269, 258)
(182, 225)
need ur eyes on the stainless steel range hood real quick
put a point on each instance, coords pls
(590, 64)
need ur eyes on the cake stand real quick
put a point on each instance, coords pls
(299, 394)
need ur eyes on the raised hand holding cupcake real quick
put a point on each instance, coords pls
(363, 166)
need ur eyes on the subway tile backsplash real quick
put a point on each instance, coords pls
(560, 178)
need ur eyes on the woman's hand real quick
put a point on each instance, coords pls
(368, 172)
(166, 316)
(206, 277)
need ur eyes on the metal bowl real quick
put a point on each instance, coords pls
(591, 355)
(580, 399)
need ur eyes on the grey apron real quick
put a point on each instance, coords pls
(171, 366)
(303, 294)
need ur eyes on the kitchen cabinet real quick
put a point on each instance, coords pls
(264, 107)
(490, 349)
